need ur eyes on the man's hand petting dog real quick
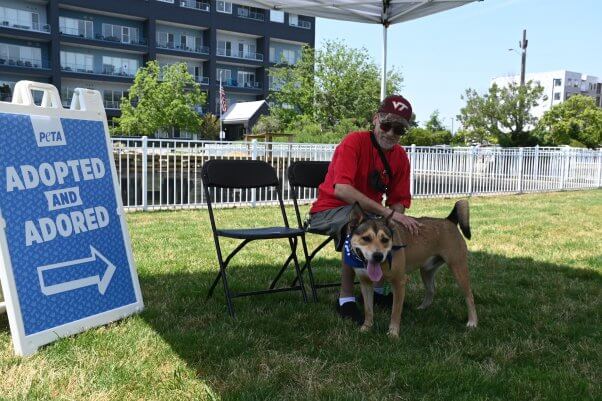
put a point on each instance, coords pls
(390, 250)
(409, 223)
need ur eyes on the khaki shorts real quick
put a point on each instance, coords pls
(331, 222)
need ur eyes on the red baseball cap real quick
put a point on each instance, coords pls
(397, 108)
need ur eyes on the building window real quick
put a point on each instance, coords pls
(246, 79)
(76, 27)
(19, 19)
(77, 62)
(224, 7)
(224, 74)
(277, 16)
(119, 66)
(224, 48)
(20, 56)
(557, 81)
(557, 96)
(6, 90)
(112, 97)
(118, 33)
(165, 39)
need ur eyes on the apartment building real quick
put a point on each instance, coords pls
(558, 87)
(100, 45)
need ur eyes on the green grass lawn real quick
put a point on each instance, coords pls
(536, 272)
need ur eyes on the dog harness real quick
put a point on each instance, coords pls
(352, 259)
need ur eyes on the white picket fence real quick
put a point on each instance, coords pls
(166, 173)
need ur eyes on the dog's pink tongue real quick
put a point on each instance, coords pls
(374, 271)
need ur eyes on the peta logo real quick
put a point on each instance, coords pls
(50, 136)
(48, 131)
(401, 106)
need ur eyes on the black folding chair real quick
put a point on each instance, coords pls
(308, 174)
(248, 174)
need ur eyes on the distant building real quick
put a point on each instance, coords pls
(101, 44)
(558, 87)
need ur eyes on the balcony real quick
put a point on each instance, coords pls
(22, 62)
(232, 83)
(180, 48)
(202, 80)
(301, 24)
(240, 55)
(111, 104)
(34, 27)
(105, 70)
(244, 13)
(195, 5)
(98, 37)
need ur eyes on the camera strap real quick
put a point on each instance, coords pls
(382, 158)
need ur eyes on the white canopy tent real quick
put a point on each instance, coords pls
(383, 12)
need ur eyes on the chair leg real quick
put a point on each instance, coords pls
(225, 264)
(293, 244)
(307, 265)
(281, 271)
(222, 275)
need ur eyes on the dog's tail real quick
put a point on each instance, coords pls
(460, 216)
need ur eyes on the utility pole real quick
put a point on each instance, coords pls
(523, 45)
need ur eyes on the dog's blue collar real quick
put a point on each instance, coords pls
(352, 259)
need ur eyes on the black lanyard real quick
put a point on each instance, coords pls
(382, 158)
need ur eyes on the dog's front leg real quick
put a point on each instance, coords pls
(368, 294)
(399, 292)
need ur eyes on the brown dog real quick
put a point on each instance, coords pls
(388, 250)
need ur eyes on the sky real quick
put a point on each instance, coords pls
(442, 55)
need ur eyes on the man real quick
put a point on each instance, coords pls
(358, 173)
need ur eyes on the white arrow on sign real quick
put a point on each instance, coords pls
(102, 283)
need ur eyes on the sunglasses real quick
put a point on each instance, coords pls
(398, 129)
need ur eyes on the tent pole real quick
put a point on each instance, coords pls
(383, 79)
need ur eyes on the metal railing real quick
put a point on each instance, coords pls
(166, 173)
(105, 70)
(244, 13)
(240, 84)
(301, 24)
(177, 47)
(23, 62)
(238, 54)
(195, 5)
(37, 27)
(75, 32)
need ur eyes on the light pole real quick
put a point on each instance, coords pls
(523, 61)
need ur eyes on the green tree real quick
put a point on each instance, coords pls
(576, 121)
(267, 124)
(161, 98)
(210, 126)
(424, 137)
(503, 115)
(330, 85)
(434, 122)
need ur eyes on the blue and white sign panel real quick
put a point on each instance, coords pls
(66, 255)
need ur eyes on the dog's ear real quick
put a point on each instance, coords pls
(388, 218)
(356, 216)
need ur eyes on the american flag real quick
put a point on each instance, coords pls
(222, 99)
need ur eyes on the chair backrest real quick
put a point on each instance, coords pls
(307, 174)
(230, 173)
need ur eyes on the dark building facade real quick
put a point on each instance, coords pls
(100, 45)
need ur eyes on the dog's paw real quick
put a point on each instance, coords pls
(365, 329)
(393, 333)
(471, 325)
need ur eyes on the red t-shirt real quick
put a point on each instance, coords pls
(353, 161)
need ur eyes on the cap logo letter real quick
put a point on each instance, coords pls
(399, 106)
